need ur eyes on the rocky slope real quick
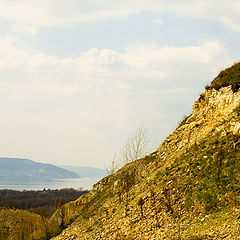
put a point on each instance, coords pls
(188, 189)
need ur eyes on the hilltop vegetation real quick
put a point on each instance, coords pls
(229, 76)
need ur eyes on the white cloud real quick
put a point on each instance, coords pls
(157, 20)
(43, 13)
(82, 108)
(24, 28)
(104, 68)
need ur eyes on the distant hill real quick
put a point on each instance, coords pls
(17, 170)
(87, 171)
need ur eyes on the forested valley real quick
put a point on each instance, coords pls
(36, 201)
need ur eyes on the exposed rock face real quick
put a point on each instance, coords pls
(155, 202)
(213, 112)
(213, 104)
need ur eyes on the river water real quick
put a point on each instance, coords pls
(77, 183)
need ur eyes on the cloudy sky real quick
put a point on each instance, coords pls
(78, 77)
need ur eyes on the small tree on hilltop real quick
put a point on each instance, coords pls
(136, 146)
(113, 167)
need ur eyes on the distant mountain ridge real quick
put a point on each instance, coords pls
(86, 172)
(22, 170)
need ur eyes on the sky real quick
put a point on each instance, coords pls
(77, 78)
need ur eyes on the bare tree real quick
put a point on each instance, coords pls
(62, 213)
(128, 180)
(140, 203)
(44, 214)
(136, 147)
(113, 167)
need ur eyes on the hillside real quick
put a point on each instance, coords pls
(19, 224)
(17, 170)
(188, 189)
